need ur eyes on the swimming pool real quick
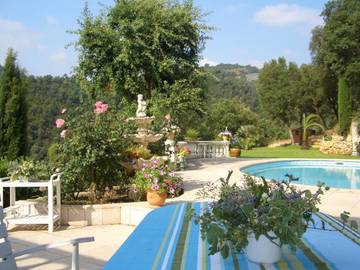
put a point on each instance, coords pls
(337, 174)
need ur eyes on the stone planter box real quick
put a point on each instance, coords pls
(97, 214)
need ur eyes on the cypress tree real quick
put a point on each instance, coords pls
(344, 106)
(13, 138)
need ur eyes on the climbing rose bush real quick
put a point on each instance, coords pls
(59, 122)
(100, 107)
(91, 150)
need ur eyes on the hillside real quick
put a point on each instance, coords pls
(233, 81)
(47, 95)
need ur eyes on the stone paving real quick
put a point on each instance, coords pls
(108, 238)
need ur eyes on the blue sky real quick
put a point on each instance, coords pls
(248, 31)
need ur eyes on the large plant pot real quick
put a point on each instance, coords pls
(155, 198)
(263, 250)
(235, 152)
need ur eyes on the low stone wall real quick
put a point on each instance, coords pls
(86, 215)
(337, 146)
(102, 214)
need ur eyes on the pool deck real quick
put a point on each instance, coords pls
(108, 238)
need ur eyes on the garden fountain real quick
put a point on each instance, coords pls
(144, 135)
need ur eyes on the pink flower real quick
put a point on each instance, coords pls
(155, 187)
(100, 107)
(63, 133)
(172, 174)
(59, 122)
(135, 189)
(172, 191)
(146, 175)
(63, 110)
(161, 172)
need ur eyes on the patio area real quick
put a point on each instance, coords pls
(108, 238)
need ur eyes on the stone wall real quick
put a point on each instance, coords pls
(338, 145)
(87, 215)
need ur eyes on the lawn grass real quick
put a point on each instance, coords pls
(291, 151)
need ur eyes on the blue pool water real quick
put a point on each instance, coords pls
(337, 174)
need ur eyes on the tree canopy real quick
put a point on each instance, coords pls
(149, 47)
(13, 138)
(337, 44)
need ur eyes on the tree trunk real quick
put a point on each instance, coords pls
(291, 135)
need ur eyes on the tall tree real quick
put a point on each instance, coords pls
(345, 106)
(279, 93)
(149, 47)
(336, 46)
(13, 139)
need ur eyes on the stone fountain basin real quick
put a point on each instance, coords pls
(142, 121)
(145, 138)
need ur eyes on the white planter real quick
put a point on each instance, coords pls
(263, 250)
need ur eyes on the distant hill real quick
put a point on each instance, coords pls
(46, 96)
(233, 81)
(233, 69)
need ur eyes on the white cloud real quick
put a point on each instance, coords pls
(284, 14)
(14, 34)
(209, 62)
(52, 21)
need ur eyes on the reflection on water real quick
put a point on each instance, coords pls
(336, 176)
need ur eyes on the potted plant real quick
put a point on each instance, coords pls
(225, 135)
(235, 147)
(157, 178)
(258, 217)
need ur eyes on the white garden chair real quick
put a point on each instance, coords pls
(7, 256)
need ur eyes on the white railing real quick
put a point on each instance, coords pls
(206, 149)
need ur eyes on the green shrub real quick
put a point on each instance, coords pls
(27, 169)
(192, 134)
(248, 136)
(54, 154)
(4, 165)
(92, 147)
(138, 152)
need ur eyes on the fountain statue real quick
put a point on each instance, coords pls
(140, 112)
(144, 135)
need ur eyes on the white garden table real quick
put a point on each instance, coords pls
(33, 218)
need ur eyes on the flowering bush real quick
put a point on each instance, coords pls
(29, 170)
(92, 147)
(158, 176)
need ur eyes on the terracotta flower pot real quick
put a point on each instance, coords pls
(235, 152)
(155, 198)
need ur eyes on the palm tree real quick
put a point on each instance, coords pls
(309, 121)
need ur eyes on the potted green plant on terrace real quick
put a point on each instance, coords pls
(258, 217)
(235, 147)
